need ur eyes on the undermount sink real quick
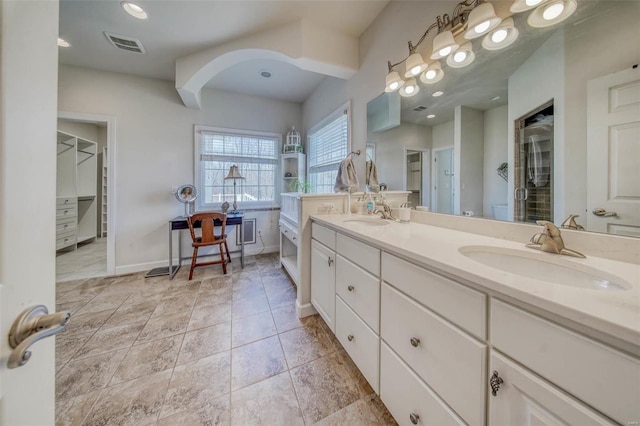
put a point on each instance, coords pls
(544, 267)
(373, 221)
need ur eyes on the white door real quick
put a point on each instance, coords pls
(443, 190)
(613, 153)
(524, 399)
(323, 282)
(29, 93)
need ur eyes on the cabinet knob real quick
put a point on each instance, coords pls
(350, 337)
(329, 260)
(294, 238)
(414, 342)
(414, 418)
(495, 381)
(351, 288)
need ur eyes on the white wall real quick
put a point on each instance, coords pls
(389, 153)
(495, 153)
(154, 151)
(442, 135)
(468, 160)
(83, 130)
(537, 81)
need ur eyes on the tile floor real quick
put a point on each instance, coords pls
(88, 261)
(215, 350)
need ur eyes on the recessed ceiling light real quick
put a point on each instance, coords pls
(265, 73)
(431, 116)
(438, 93)
(63, 43)
(495, 98)
(134, 10)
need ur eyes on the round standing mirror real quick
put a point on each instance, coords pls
(187, 194)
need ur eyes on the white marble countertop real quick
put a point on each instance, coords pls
(615, 313)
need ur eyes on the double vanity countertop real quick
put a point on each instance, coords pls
(610, 312)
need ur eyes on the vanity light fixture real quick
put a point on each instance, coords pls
(551, 12)
(134, 10)
(470, 19)
(410, 88)
(502, 36)
(462, 57)
(63, 43)
(393, 80)
(482, 19)
(432, 74)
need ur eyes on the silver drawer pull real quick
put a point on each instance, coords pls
(351, 288)
(414, 342)
(350, 337)
(414, 418)
(495, 381)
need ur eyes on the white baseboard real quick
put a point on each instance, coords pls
(305, 310)
(251, 251)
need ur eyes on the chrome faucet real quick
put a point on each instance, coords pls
(385, 212)
(550, 240)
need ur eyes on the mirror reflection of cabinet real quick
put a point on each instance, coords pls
(76, 207)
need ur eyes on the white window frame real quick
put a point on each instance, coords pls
(343, 109)
(201, 205)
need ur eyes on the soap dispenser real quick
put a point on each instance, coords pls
(370, 204)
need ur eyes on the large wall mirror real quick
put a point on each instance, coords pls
(545, 128)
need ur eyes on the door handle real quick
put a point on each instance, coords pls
(31, 325)
(599, 211)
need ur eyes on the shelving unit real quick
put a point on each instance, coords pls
(293, 163)
(103, 194)
(76, 205)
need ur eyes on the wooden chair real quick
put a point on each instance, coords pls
(208, 238)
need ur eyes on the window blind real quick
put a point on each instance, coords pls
(328, 146)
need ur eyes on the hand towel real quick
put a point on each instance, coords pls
(372, 176)
(346, 180)
(537, 174)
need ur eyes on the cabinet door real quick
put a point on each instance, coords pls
(525, 399)
(323, 282)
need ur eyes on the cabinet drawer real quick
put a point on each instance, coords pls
(359, 253)
(404, 394)
(323, 234)
(65, 224)
(600, 376)
(449, 361)
(525, 399)
(459, 304)
(65, 239)
(65, 201)
(362, 344)
(360, 290)
(66, 211)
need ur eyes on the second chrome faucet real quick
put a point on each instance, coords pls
(551, 241)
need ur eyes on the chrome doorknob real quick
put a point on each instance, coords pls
(599, 211)
(31, 325)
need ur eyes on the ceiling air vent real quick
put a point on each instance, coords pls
(125, 43)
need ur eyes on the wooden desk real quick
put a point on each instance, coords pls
(179, 223)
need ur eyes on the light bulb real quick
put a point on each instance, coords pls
(482, 27)
(416, 70)
(445, 51)
(394, 85)
(532, 3)
(460, 56)
(134, 10)
(553, 11)
(438, 93)
(430, 75)
(499, 36)
(409, 89)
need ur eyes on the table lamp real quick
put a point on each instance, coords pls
(234, 173)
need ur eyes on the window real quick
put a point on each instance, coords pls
(255, 154)
(328, 146)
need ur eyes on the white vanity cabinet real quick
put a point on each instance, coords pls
(323, 273)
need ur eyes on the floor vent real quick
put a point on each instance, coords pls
(125, 43)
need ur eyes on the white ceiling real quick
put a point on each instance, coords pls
(176, 28)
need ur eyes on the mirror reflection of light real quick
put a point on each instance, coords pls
(438, 93)
(460, 56)
(445, 51)
(394, 85)
(553, 11)
(532, 3)
(431, 116)
(430, 75)
(482, 27)
(409, 89)
(499, 36)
